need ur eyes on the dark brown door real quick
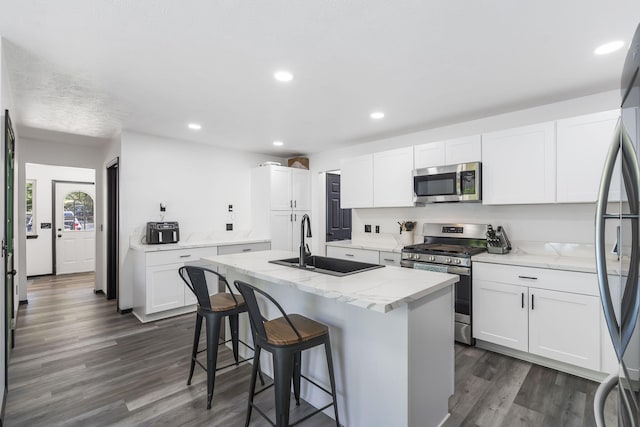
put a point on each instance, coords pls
(338, 220)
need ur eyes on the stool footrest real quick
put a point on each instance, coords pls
(317, 385)
(306, 417)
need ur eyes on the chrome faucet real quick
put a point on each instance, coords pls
(304, 248)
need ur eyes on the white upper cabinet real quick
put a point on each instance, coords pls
(392, 178)
(356, 182)
(450, 152)
(519, 165)
(582, 145)
(429, 155)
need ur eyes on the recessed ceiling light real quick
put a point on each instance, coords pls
(194, 126)
(278, 143)
(609, 47)
(283, 76)
(377, 115)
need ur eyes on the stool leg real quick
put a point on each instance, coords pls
(252, 387)
(196, 341)
(283, 370)
(213, 334)
(233, 325)
(297, 366)
(327, 349)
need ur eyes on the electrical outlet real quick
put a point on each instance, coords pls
(230, 208)
(377, 229)
(229, 227)
(367, 228)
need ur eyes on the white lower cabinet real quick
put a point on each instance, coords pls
(500, 314)
(285, 229)
(390, 258)
(565, 327)
(160, 292)
(539, 311)
(354, 254)
(165, 288)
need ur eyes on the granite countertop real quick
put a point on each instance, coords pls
(382, 289)
(555, 256)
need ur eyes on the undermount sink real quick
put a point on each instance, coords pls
(326, 265)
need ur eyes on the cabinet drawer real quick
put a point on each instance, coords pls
(246, 247)
(179, 255)
(362, 255)
(542, 278)
(390, 258)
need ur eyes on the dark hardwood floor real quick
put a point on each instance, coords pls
(78, 362)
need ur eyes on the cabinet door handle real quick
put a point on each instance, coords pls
(528, 277)
(185, 256)
(522, 300)
(290, 203)
(295, 217)
(533, 305)
(295, 203)
(246, 250)
(387, 259)
(349, 255)
(290, 217)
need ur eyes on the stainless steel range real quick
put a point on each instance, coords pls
(448, 248)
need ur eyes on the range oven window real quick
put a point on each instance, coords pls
(436, 185)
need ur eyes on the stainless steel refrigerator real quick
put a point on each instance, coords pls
(617, 219)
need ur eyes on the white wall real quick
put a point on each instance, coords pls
(39, 253)
(558, 223)
(80, 152)
(196, 182)
(5, 103)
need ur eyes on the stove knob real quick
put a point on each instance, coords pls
(432, 258)
(458, 261)
(448, 260)
(411, 256)
(417, 256)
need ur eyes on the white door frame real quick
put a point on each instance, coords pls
(54, 229)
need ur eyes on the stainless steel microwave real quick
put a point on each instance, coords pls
(451, 183)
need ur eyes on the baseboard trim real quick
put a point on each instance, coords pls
(98, 291)
(23, 302)
(543, 361)
(125, 311)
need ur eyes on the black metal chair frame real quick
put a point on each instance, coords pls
(287, 362)
(195, 279)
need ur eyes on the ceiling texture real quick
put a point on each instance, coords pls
(99, 67)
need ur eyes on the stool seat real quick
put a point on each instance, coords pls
(225, 301)
(279, 331)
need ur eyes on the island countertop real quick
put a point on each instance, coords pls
(381, 290)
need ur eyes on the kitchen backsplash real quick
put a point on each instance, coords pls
(542, 223)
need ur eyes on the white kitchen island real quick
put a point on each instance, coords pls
(391, 334)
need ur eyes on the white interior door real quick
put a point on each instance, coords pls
(75, 227)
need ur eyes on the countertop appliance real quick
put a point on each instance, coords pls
(448, 248)
(162, 232)
(620, 292)
(451, 183)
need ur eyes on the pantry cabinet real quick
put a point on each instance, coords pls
(549, 313)
(280, 198)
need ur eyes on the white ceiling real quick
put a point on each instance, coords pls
(97, 67)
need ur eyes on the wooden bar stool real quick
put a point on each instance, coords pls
(285, 338)
(213, 308)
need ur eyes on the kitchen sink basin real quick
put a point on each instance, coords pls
(326, 265)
